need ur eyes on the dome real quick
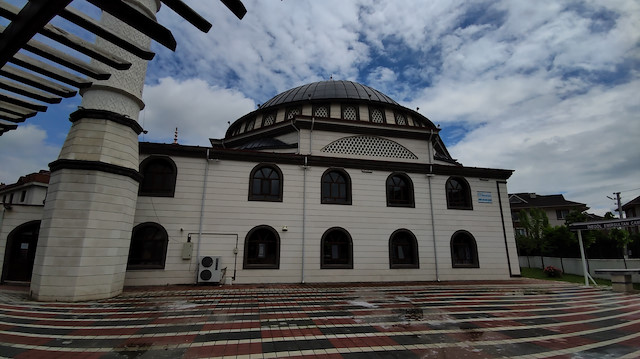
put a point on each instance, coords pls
(330, 101)
(328, 90)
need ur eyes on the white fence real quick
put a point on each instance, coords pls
(574, 265)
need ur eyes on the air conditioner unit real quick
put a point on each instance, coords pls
(209, 270)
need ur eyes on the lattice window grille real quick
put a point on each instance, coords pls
(350, 113)
(293, 112)
(270, 119)
(369, 146)
(250, 125)
(377, 116)
(321, 111)
(401, 119)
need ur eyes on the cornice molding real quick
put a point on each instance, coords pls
(106, 115)
(95, 166)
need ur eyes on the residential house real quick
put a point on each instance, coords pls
(631, 209)
(555, 206)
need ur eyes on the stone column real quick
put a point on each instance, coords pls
(88, 215)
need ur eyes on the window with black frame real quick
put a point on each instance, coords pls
(262, 249)
(403, 250)
(148, 248)
(336, 249)
(458, 193)
(336, 187)
(159, 175)
(399, 191)
(464, 251)
(265, 184)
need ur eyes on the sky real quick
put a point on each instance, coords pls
(550, 89)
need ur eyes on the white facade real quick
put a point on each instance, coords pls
(217, 216)
(228, 216)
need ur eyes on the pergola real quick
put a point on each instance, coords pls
(29, 85)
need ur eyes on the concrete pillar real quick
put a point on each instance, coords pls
(88, 215)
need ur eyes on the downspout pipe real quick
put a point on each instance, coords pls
(204, 195)
(313, 121)
(305, 168)
(433, 221)
(304, 216)
(504, 230)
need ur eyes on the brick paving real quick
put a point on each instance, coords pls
(510, 319)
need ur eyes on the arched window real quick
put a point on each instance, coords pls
(399, 191)
(403, 250)
(458, 193)
(265, 184)
(336, 187)
(464, 252)
(148, 248)
(336, 249)
(158, 177)
(262, 249)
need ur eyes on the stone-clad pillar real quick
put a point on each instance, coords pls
(88, 215)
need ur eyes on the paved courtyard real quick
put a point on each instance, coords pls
(512, 319)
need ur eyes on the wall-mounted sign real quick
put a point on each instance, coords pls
(484, 197)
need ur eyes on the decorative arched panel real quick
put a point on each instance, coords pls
(369, 146)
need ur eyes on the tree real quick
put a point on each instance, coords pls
(622, 238)
(576, 216)
(534, 221)
(559, 241)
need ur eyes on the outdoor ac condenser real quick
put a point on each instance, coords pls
(209, 270)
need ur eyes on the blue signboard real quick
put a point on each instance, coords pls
(484, 197)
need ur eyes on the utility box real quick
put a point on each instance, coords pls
(187, 250)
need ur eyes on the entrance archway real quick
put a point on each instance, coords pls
(21, 252)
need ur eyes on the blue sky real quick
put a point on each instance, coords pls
(547, 88)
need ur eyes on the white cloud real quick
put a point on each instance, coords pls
(23, 151)
(585, 147)
(198, 110)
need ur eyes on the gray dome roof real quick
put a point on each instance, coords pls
(327, 90)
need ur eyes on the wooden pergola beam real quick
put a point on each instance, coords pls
(53, 72)
(95, 27)
(36, 81)
(138, 21)
(28, 91)
(33, 17)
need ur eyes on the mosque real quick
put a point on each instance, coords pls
(332, 181)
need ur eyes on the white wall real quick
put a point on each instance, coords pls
(574, 265)
(228, 213)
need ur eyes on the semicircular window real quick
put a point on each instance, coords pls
(369, 146)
